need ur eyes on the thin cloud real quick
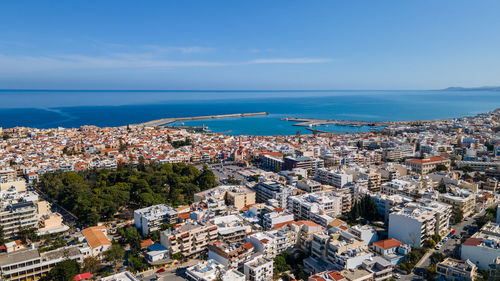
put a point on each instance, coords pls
(178, 49)
(290, 60)
(9, 64)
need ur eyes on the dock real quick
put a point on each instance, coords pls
(310, 122)
(165, 121)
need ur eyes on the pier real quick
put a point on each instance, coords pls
(165, 121)
(310, 122)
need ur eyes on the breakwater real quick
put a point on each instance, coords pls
(165, 121)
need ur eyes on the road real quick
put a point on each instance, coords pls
(176, 273)
(222, 172)
(449, 248)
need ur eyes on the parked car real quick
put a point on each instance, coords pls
(438, 247)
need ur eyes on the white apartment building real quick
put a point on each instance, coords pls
(151, 218)
(365, 233)
(464, 200)
(483, 248)
(442, 213)
(30, 264)
(336, 178)
(269, 220)
(320, 208)
(272, 243)
(400, 187)
(309, 185)
(338, 250)
(385, 203)
(210, 270)
(188, 238)
(418, 221)
(371, 176)
(273, 190)
(17, 215)
(259, 269)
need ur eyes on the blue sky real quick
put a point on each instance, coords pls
(104, 44)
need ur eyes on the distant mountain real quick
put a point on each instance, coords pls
(485, 88)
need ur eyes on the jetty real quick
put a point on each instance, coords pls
(310, 122)
(166, 121)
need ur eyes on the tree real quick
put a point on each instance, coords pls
(99, 194)
(436, 237)
(219, 276)
(137, 263)
(430, 243)
(431, 272)
(2, 236)
(206, 179)
(457, 215)
(114, 254)
(365, 208)
(442, 187)
(178, 256)
(437, 257)
(280, 263)
(441, 167)
(63, 271)
(28, 233)
(91, 264)
(141, 166)
(481, 221)
(467, 169)
(277, 169)
(123, 145)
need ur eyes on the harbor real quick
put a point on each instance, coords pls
(311, 122)
(166, 121)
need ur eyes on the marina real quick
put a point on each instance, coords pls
(310, 122)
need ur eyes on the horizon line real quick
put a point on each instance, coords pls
(216, 90)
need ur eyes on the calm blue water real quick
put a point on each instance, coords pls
(47, 109)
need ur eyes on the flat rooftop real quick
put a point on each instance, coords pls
(18, 257)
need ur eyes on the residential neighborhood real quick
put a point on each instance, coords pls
(409, 202)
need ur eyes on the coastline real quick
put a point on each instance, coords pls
(307, 123)
(73, 110)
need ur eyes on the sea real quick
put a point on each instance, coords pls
(66, 108)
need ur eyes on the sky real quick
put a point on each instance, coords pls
(247, 45)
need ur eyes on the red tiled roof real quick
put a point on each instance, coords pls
(388, 243)
(335, 275)
(83, 276)
(184, 216)
(280, 225)
(146, 243)
(472, 242)
(308, 223)
(336, 222)
(428, 160)
(95, 237)
(248, 246)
